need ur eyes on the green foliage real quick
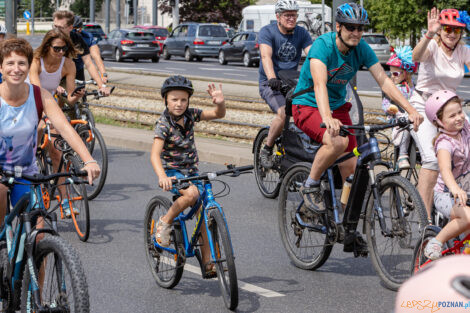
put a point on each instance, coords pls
(41, 7)
(82, 7)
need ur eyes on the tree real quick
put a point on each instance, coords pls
(82, 7)
(205, 11)
(41, 7)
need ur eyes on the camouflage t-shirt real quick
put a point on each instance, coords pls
(179, 149)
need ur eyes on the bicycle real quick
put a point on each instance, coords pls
(39, 270)
(167, 263)
(76, 195)
(387, 203)
(314, 25)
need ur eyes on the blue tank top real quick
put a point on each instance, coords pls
(18, 135)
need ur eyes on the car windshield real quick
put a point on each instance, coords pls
(140, 35)
(376, 40)
(160, 32)
(212, 31)
(94, 29)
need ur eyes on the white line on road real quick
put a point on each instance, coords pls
(213, 69)
(175, 68)
(233, 74)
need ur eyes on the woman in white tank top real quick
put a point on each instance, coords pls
(52, 62)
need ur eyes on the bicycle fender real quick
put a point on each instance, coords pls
(256, 138)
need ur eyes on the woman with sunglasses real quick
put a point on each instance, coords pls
(442, 56)
(52, 62)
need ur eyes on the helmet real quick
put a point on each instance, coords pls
(351, 13)
(447, 279)
(449, 17)
(286, 5)
(177, 82)
(3, 30)
(436, 102)
(402, 58)
(464, 18)
(77, 21)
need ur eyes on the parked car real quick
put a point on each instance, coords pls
(130, 44)
(380, 45)
(241, 47)
(160, 33)
(94, 29)
(467, 43)
(195, 40)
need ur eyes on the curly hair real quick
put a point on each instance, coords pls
(19, 46)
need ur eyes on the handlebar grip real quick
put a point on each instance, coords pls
(322, 125)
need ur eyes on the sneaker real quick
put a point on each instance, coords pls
(403, 162)
(433, 249)
(313, 198)
(162, 235)
(354, 242)
(266, 158)
(66, 208)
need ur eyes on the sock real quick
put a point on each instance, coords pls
(310, 182)
(268, 148)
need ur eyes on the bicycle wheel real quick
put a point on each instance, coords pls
(308, 248)
(166, 267)
(87, 115)
(418, 254)
(8, 303)
(268, 180)
(225, 261)
(63, 287)
(100, 154)
(392, 253)
(78, 202)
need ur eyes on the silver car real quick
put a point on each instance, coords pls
(380, 45)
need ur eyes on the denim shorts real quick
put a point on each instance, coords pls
(179, 175)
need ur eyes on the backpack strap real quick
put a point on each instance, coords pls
(38, 101)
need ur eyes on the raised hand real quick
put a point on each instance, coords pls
(433, 21)
(217, 95)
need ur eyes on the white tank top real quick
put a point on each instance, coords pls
(50, 81)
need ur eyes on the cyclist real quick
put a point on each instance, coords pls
(280, 47)
(20, 110)
(452, 146)
(401, 69)
(332, 61)
(93, 45)
(63, 20)
(3, 34)
(442, 56)
(174, 153)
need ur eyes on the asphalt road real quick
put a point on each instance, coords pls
(120, 281)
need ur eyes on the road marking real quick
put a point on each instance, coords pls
(175, 68)
(235, 74)
(213, 69)
(461, 91)
(242, 285)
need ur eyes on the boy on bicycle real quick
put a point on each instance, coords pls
(174, 153)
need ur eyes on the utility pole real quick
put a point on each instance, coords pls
(135, 11)
(108, 7)
(92, 11)
(10, 17)
(154, 12)
(176, 14)
(118, 14)
(32, 17)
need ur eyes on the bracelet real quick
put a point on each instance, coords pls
(91, 161)
(426, 35)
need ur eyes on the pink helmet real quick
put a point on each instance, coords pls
(402, 58)
(435, 102)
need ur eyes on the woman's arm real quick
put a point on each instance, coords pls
(444, 160)
(34, 72)
(420, 52)
(70, 72)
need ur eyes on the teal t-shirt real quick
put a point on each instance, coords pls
(341, 69)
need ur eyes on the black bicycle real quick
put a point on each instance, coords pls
(391, 209)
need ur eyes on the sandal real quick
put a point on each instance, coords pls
(211, 272)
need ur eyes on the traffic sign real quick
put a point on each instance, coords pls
(27, 14)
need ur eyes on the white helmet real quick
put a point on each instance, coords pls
(286, 5)
(3, 29)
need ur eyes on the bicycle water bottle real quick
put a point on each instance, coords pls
(346, 189)
(466, 247)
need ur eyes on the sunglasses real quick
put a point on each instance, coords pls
(290, 16)
(450, 29)
(58, 49)
(351, 28)
(396, 73)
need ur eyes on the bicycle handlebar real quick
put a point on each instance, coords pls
(400, 122)
(8, 177)
(236, 171)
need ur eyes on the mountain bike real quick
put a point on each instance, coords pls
(40, 271)
(167, 263)
(389, 205)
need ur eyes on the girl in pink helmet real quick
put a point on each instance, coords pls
(401, 69)
(442, 57)
(452, 147)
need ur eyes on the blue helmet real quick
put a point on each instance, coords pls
(351, 13)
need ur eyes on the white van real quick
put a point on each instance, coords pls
(257, 16)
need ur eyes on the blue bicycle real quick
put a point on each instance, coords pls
(39, 271)
(167, 263)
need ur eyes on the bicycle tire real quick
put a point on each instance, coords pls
(68, 280)
(100, 154)
(165, 267)
(77, 197)
(296, 239)
(391, 259)
(303, 25)
(8, 302)
(269, 187)
(86, 112)
(418, 253)
(225, 261)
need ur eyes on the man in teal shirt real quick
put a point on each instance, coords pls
(331, 63)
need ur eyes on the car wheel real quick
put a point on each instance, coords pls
(199, 59)
(166, 55)
(246, 59)
(117, 55)
(222, 60)
(155, 59)
(187, 55)
(135, 60)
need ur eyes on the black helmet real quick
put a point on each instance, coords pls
(177, 82)
(77, 21)
(351, 13)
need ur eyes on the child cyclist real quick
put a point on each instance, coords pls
(401, 69)
(452, 146)
(174, 152)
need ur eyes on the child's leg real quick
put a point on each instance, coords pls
(460, 223)
(405, 142)
(205, 248)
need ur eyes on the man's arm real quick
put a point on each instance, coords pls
(266, 52)
(307, 49)
(394, 94)
(96, 56)
(91, 68)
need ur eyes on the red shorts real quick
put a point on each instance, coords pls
(308, 119)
